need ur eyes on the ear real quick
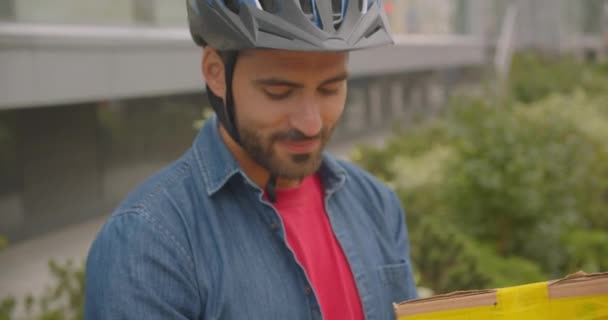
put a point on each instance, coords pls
(213, 71)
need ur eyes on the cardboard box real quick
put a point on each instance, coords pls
(579, 296)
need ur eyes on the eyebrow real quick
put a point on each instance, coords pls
(282, 82)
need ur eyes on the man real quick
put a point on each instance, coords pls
(255, 221)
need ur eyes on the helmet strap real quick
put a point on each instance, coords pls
(271, 187)
(225, 112)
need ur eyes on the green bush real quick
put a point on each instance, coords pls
(525, 174)
(448, 260)
(7, 304)
(64, 300)
(534, 77)
(587, 250)
(511, 194)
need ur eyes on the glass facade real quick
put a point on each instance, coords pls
(170, 13)
(61, 165)
(108, 12)
(93, 12)
(593, 16)
(7, 10)
(589, 17)
(428, 16)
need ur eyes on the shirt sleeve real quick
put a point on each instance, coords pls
(137, 270)
(402, 245)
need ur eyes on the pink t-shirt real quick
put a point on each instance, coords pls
(312, 239)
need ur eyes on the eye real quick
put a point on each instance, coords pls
(330, 89)
(328, 92)
(277, 93)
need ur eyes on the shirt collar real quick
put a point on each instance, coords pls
(218, 165)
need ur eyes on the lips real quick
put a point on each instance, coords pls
(301, 146)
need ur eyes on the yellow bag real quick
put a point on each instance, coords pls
(579, 296)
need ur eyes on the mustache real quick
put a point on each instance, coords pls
(295, 135)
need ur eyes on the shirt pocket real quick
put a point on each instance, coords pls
(396, 281)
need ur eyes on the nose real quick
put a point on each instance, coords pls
(307, 117)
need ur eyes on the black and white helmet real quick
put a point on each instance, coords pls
(303, 25)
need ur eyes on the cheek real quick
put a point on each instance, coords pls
(332, 110)
(253, 110)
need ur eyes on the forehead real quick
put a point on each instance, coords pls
(269, 61)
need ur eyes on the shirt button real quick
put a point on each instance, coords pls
(274, 226)
(308, 290)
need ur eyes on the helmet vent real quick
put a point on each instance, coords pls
(365, 5)
(311, 10)
(306, 6)
(338, 8)
(272, 6)
(233, 5)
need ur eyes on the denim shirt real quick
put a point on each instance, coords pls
(198, 241)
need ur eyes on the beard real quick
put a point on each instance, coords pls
(293, 167)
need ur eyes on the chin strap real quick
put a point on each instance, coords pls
(271, 186)
(226, 114)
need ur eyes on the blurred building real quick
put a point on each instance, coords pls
(554, 26)
(97, 95)
(92, 12)
(431, 16)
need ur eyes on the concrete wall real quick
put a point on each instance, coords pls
(44, 65)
